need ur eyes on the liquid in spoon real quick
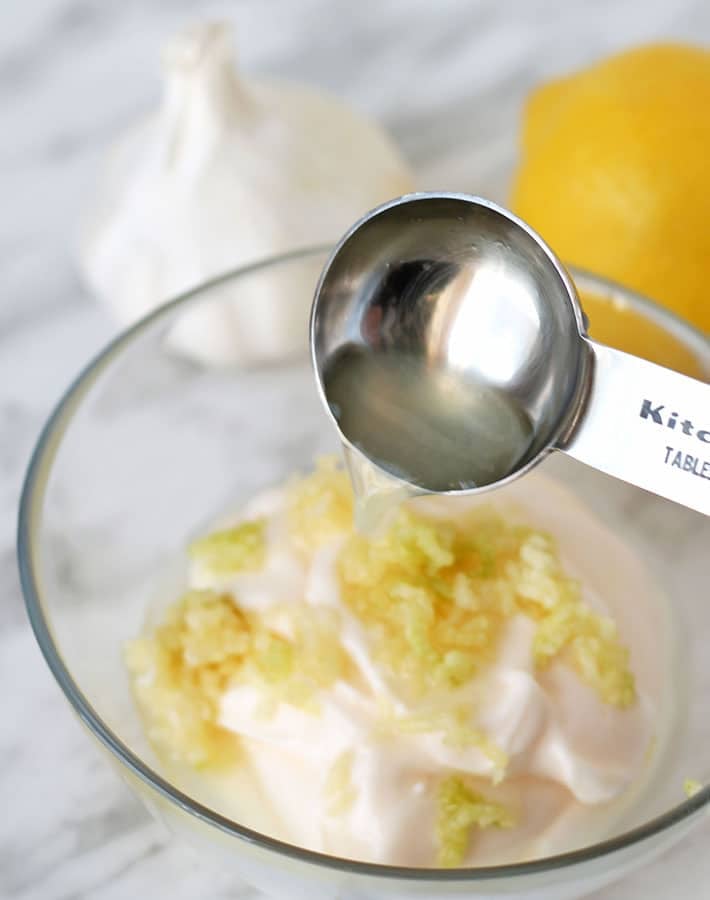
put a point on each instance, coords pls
(438, 431)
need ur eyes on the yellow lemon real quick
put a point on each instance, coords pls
(618, 325)
(615, 174)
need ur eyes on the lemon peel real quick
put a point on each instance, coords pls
(613, 174)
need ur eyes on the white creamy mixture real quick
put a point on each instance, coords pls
(575, 763)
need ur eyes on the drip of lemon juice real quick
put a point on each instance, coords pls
(376, 493)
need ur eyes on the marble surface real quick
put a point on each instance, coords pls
(448, 79)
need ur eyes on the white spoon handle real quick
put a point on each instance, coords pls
(646, 425)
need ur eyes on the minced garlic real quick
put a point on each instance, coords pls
(435, 595)
(431, 596)
(320, 506)
(206, 645)
(459, 809)
(181, 671)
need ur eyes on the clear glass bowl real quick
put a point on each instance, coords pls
(146, 447)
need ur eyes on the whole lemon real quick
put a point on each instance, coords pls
(615, 173)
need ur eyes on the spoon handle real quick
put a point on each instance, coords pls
(646, 425)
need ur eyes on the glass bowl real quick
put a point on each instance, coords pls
(146, 447)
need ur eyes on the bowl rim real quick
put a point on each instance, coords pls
(29, 519)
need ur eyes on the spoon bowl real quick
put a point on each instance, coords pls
(443, 322)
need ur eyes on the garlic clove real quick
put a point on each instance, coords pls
(228, 172)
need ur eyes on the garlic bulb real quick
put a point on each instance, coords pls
(229, 172)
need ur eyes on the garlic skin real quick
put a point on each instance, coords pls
(227, 173)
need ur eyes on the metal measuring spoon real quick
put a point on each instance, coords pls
(451, 351)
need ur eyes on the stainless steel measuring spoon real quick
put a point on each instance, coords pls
(450, 349)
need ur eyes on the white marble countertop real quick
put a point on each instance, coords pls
(448, 79)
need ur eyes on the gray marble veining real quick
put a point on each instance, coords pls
(448, 79)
